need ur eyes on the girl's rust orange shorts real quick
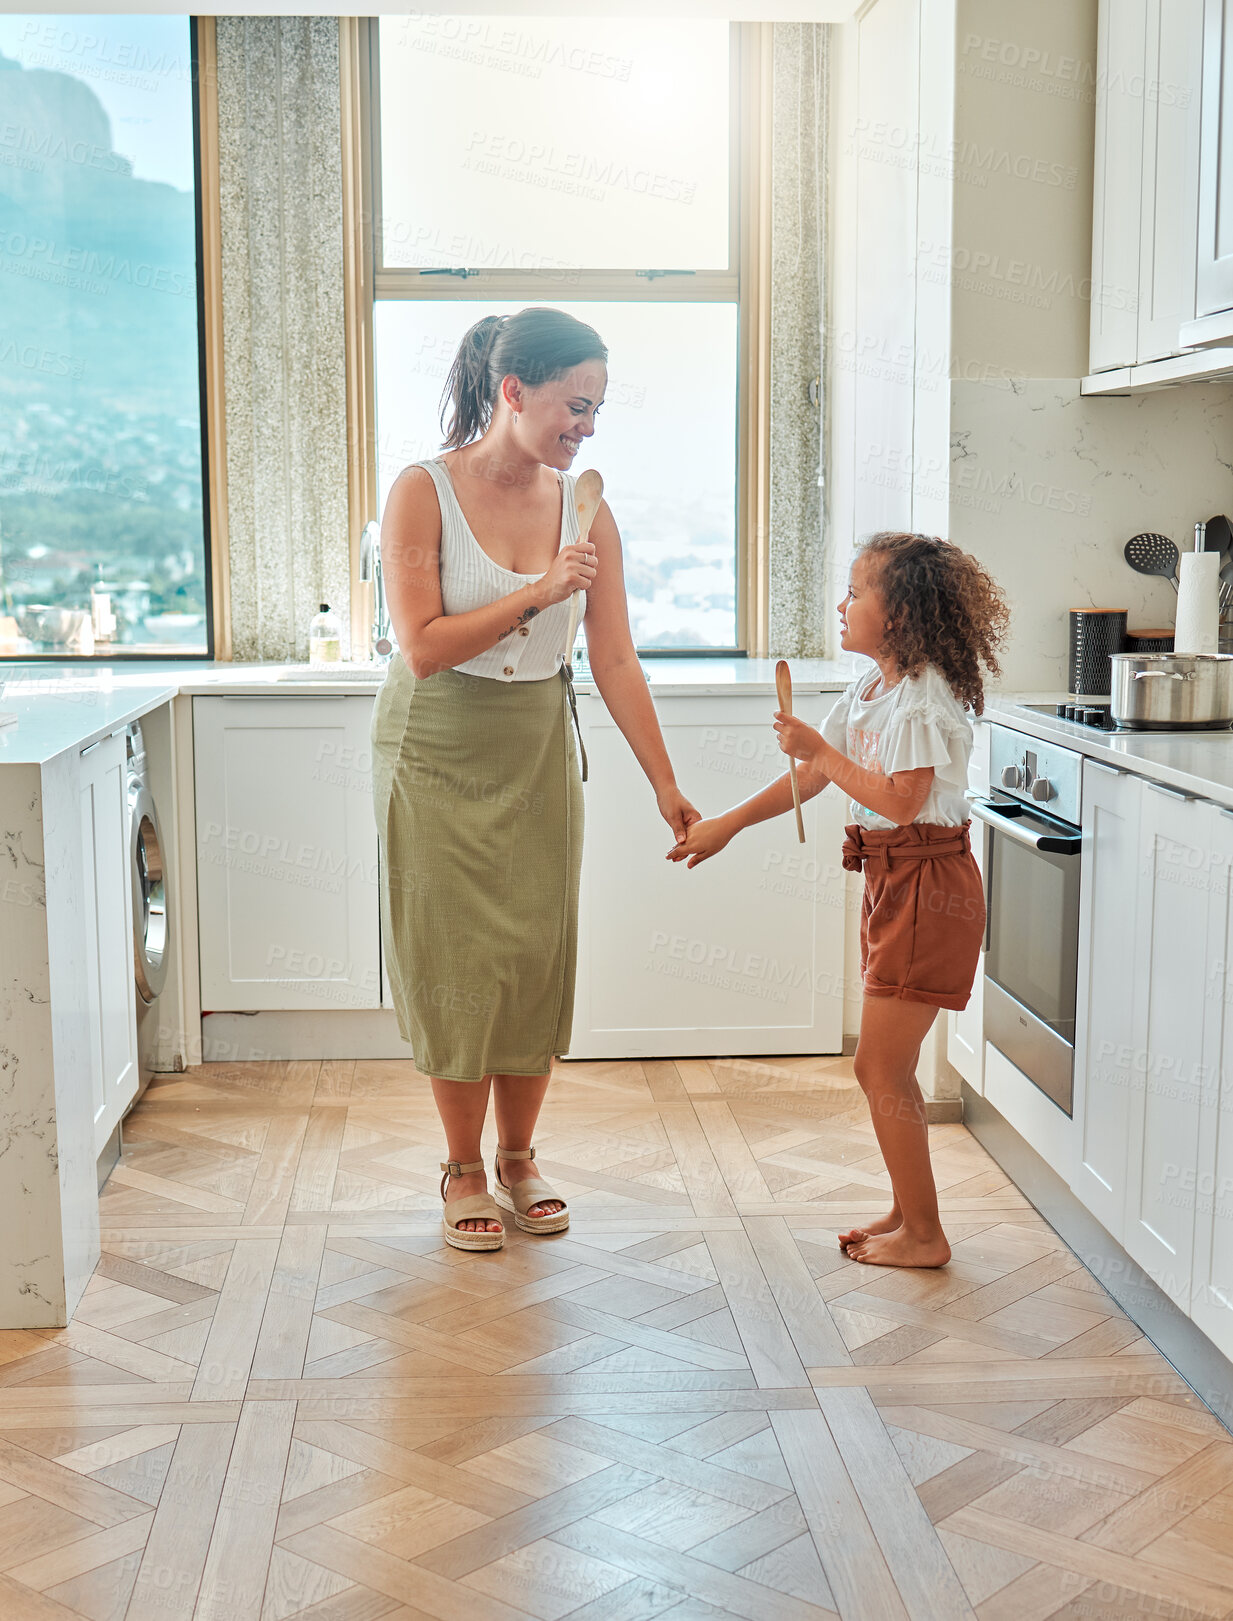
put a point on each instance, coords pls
(923, 913)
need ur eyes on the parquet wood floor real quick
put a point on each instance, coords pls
(284, 1396)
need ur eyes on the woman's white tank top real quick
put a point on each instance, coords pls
(470, 579)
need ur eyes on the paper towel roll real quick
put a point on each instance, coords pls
(1198, 603)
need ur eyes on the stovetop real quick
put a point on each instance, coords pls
(1098, 718)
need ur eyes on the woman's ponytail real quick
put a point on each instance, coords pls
(535, 345)
(466, 393)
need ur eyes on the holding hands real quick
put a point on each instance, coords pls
(704, 838)
(679, 814)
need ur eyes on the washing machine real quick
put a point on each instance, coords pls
(151, 917)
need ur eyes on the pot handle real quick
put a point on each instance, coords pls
(1166, 675)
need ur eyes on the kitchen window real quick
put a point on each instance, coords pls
(609, 168)
(103, 546)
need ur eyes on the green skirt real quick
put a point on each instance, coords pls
(478, 802)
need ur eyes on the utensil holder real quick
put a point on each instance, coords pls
(1226, 629)
(1095, 633)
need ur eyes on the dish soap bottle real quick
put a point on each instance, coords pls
(324, 638)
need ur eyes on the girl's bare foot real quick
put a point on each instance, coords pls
(900, 1248)
(884, 1224)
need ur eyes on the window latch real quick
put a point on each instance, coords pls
(651, 275)
(459, 270)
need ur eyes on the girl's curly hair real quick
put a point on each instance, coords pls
(942, 608)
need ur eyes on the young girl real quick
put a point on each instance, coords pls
(898, 741)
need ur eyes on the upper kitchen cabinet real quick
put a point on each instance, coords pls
(1146, 183)
(1213, 309)
(1117, 200)
(286, 853)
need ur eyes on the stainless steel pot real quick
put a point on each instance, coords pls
(1172, 692)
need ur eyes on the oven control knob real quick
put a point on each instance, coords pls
(1012, 776)
(1042, 789)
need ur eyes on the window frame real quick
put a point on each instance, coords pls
(745, 282)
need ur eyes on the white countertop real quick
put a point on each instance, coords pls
(1199, 763)
(65, 706)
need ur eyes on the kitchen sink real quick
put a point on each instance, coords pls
(355, 672)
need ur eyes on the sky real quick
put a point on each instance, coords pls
(137, 66)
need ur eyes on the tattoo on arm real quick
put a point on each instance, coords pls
(530, 613)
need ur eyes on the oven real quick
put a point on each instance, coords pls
(1032, 895)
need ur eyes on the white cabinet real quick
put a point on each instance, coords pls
(1154, 1054)
(1210, 1190)
(1168, 994)
(965, 1033)
(286, 853)
(1171, 95)
(742, 954)
(108, 917)
(1146, 180)
(1118, 182)
(1214, 272)
(1109, 1034)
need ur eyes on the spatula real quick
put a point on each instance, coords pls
(783, 688)
(1152, 554)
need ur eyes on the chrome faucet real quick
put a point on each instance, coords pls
(380, 632)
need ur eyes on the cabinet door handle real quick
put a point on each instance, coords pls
(1099, 765)
(1173, 793)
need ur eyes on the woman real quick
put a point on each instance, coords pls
(477, 788)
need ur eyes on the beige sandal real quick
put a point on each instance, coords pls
(532, 1190)
(475, 1207)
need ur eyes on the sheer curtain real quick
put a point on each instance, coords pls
(284, 357)
(798, 603)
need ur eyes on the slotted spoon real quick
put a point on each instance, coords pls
(1152, 554)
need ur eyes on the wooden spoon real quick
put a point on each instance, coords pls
(783, 686)
(588, 493)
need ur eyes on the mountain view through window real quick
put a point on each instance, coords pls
(100, 424)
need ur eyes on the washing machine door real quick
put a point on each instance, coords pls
(149, 893)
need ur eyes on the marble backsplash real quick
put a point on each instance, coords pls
(1046, 487)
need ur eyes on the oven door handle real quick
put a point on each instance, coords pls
(1002, 818)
